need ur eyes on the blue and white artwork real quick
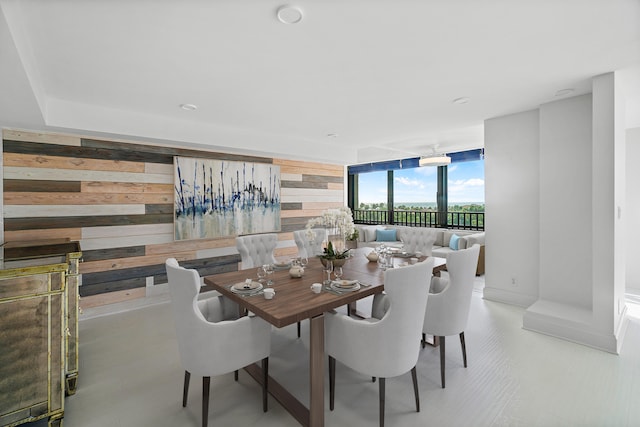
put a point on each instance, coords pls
(220, 198)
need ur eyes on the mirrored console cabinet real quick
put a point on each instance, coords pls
(39, 311)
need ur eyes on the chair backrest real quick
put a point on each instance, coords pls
(184, 286)
(209, 348)
(256, 249)
(417, 239)
(309, 247)
(401, 327)
(447, 312)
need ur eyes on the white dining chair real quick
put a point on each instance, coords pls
(209, 343)
(386, 347)
(256, 249)
(447, 311)
(309, 247)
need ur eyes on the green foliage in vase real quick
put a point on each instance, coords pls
(330, 253)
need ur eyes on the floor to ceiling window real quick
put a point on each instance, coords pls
(401, 192)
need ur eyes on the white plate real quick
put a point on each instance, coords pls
(344, 288)
(282, 265)
(243, 288)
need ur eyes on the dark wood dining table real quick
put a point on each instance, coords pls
(293, 302)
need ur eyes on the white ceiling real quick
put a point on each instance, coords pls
(381, 75)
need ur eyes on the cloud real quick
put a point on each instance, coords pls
(473, 182)
(466, 190)
(426, 171)
(409, 182)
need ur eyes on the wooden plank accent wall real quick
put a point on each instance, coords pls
(116, 198)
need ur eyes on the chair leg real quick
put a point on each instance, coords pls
(381, 387)
(424, 340)
(464, 348)
(442, 360)
(205, 400)
(265, 380)
(332, 382)
(185, 391)
(298, 329)
(235, 375)
(414, 377)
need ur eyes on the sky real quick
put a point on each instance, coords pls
(466, 184)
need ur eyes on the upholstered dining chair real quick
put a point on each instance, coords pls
(386, 347)
(447, 311)
(417, 240)
(309, 247)
(208, 343)
(256, 249)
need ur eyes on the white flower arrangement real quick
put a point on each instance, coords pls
(337, 222)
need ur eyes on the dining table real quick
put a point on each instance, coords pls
(294, 302)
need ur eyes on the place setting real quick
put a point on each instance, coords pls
(247, 288)
(339, 285)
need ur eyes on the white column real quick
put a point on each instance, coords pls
(581, 189)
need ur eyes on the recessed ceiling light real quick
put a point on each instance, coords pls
(460, 101)
(188, 107)
(564, 92)
(289, 15)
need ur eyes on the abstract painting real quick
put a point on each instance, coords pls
(220, 198)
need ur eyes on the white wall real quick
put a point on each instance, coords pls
(633, 211)
(511, 205)
(608, 190)
(554, 182)
(565, 201)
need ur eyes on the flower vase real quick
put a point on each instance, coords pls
(337, 262)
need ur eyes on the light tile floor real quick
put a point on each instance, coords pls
(130, 376)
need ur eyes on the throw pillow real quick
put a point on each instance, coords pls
(446, 237)
(453, 243)
(370, 232)
(386, 236)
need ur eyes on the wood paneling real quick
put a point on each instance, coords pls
(126, 230)
(304, 184)
(120, 241)
(130, 262)
(288, 206)
(74, 234)
(47, 138)
(71, 199)
(12, 172)
(111, 254)
(190, 245)
(116, 285)
(27, 211)
(56, 162)
(116, 198)
(47, 186)
(165, 208)
(158, 154)
(84, 221)
(113, 297)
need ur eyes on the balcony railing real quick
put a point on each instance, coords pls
(457, 220)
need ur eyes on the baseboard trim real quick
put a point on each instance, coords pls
(508, 297)
(569, 323)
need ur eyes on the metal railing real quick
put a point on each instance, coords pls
(457, 220)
